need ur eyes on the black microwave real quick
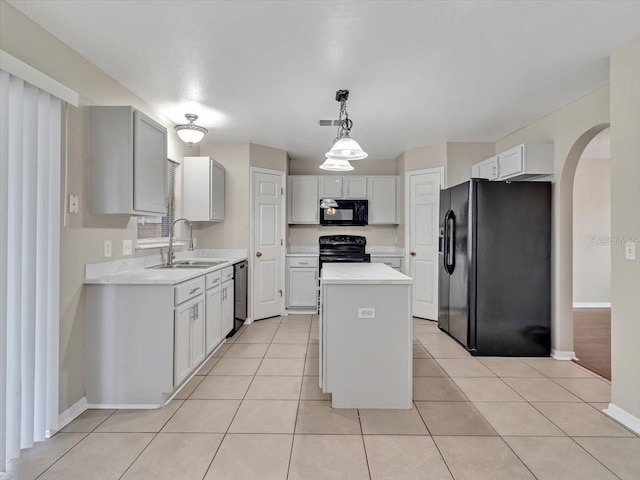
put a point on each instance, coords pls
(347, 213)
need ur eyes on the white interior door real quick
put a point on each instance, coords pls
(423, 203)
(268, 239)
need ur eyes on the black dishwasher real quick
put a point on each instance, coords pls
(240, 271)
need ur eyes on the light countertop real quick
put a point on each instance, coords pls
(362, 273)
(153, 276)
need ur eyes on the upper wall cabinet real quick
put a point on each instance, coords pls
(523, 162)
(342, 187)
(303, 199)
(127, 162)
(306, 190)
(383, 200)
(203, 190)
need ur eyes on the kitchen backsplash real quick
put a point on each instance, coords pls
(385, 235)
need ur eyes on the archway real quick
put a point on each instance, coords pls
(563, 329)
(592, 257)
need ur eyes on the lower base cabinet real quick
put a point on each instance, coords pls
(189, 339)
(213, 323)
(228, 302)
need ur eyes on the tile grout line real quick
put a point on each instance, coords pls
(295, 423)
(233, 418)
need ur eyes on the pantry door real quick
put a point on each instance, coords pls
(267, 245)
(423, 203)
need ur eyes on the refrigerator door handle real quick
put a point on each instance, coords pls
(450, 252)
(445, 242)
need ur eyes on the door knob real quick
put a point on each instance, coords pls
(413, 254)
(258, 254)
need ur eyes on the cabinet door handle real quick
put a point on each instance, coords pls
(194, 290)
(196, 313)
(304, 263)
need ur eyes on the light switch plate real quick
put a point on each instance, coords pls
(126, 247)
(107, 248)
(74, 203)
(630, 250)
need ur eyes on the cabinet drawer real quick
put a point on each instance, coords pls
(214, 279)
(303, 261)
(393, 262)
(227, 273)
(187, 290)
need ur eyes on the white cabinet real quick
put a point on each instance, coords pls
(189, 347)
(203, 179)
(488, 168)
(304, 206)
(306, 190)
(302, 282)
(127, 162)
(393, 262)
(342, 187)
(213, 322)
(228, 302)
(383, 200)
(330, 187)
(523, 162)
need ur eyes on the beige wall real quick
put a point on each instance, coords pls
(570, 129)
(625, 222)
(462, 155)
(83, 234)
(268, 157)
(307, 235)
(592, 231)
(234, 231)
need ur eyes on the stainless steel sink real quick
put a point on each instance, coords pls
(179, 266)
(206, 263)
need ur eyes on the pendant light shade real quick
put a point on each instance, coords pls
(336, 165)
(344, 147)
(190, 133)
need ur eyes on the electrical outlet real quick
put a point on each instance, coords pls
(126, 247)
(107, 248)
(74, 203)
(366, 313)
(630, 250)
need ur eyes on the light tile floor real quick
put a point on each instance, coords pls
(254, 411)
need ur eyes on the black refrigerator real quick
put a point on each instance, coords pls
(495, 267)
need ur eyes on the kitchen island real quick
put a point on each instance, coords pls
(366, 331)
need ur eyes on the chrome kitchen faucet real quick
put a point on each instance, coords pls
(170, 254)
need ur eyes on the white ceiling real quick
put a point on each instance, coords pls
(419, 72)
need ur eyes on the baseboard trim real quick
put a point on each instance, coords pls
(622, 416)
(123, 406)
(301, 311)
(563, 354)
(592, 305)
(70, 414)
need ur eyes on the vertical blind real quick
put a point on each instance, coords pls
(158, 227)
(30, 144)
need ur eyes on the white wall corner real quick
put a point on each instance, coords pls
(623, 417)
(563, 354)
(70, 414)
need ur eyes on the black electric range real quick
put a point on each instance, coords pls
(343, 248)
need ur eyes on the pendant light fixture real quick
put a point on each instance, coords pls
(190, 133)
(344, 147)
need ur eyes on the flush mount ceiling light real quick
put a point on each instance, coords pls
(190, 132)
(344, 147)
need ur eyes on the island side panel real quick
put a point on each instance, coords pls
(130, 331)
(368, 360)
